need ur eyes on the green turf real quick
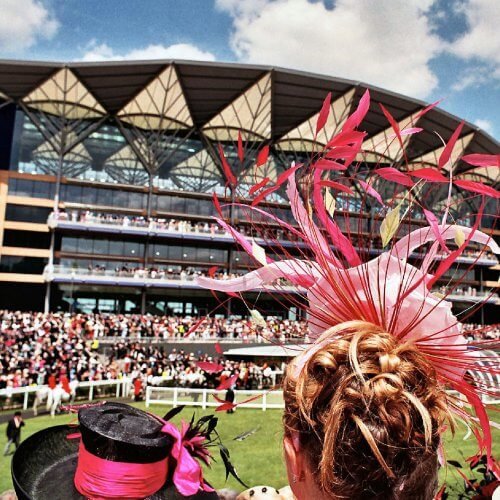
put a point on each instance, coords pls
(259, 458)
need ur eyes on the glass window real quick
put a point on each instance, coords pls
(203, 254)
(69, 244)
(23, 213)
(29, 239)
(175, 252)
(116, 247)
(101, 247)
(136, 200)
(26, 265)
(43, 189)
(104, 197)
(163, 203)
(71, 193)
(178, 205)
(133, 249)
(85, 245)
(120, 199)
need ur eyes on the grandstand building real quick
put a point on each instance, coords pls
(107, 172)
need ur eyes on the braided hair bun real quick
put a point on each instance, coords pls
(366, 410)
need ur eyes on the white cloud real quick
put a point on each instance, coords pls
(384, 43)
(480, 44)
(103, 52)
(482, 39)
(485, 125)
(23, 22)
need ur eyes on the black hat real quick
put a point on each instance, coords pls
(44, 465)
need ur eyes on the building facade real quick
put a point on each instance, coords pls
(107, 172)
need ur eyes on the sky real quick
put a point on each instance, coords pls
(426, 49)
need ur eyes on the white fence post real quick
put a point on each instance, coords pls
(91, 392)
(25, 402)
(118, 384)
(204, 400)
(148, 395)
(264, 401)
(174, 403)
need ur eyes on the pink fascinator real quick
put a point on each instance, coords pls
(390, 245)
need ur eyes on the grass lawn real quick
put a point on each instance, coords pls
(258, 458)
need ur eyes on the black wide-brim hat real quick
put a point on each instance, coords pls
(44, 465)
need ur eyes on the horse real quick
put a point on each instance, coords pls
(54, 397)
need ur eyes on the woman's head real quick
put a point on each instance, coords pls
(363, 414)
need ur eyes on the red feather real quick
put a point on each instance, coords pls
(427, 109)
(329, 165)
(429, 174)
(393, 123)
(347, 137)
(212, 270)
(231, 179)
(394, 175)
(357, 117)
(217, 205)
(323, 114)
(218, 348)
(241, 156)
(371, 191)
(227, 383)
(259, 185)
(433, 222)
(480, 160)
(209, 367)
(478, 187)
(226, 406)
(445, 155)
(262, 156)
(194, 327)
(336, 185)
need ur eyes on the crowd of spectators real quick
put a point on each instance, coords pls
(35, 345)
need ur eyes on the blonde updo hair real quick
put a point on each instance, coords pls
(367, 411)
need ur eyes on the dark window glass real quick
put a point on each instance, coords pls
(116, 247)
(203, 254)
(120, 199)
(100, 247)
(133, 249)
(43, 189)
(26, 265)
(178, 205)
(23, 213)
(71, 193)
(105, 197)
(175, 252)
(89, 195)
(28, 239)
(163, 203)
(69, 244)
(85, 245)
(136, 200)
(206, 207)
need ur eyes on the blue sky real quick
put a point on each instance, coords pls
(428, 49)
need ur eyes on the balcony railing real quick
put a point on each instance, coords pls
(183, 230)
(134, 277)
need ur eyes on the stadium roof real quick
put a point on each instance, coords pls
(218, 99)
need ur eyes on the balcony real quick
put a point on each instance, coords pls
(144, 278)
(208, 232)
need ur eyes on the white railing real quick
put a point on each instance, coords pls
(180, 396)
(86, 391)
(264, 400)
